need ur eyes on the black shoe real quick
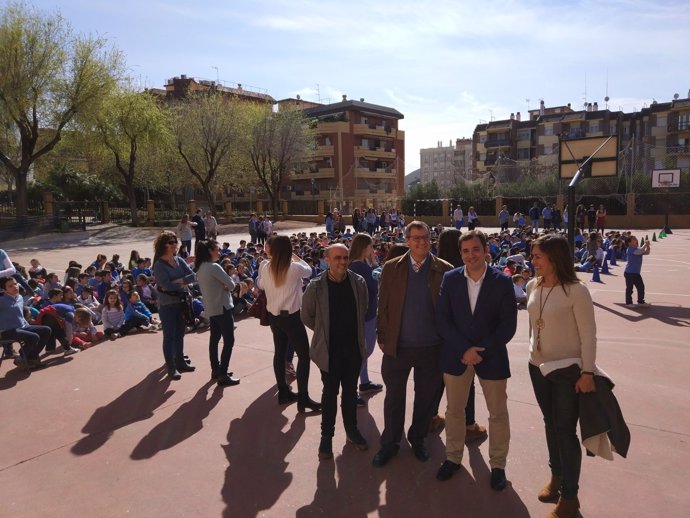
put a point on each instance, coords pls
(360, 402)
(447, 470)
(307, 403)
(173, 373)
(287, 397)
(357, 440)
(218, 372)
(187, 360)
(366, 388)
(226, 380)
(420, 451)
(36, 363)
(184, 366)
(385, 454)
(498, 479)
(326, 448)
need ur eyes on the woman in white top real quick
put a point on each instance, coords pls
(281, 277)
(561, 363)
(216, 288)
(184, 234)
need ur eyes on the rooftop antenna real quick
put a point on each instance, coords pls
(527, 101)
(217, 75)
(585, 98)
(318, 93)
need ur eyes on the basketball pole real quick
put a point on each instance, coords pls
(579, 176)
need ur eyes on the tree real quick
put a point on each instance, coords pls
(49, 76)
(279, 140)
(210, 137)
(132, 126)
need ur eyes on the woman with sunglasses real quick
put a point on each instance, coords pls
(173, 274)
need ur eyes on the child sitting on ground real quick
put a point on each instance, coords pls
(137, 309)
(84, 333)
(147, 293)
(518, 287)
(114, 322)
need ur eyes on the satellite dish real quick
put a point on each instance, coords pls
(676, 96)
(607, 98)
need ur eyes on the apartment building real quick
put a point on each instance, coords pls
(658, 136)
(446, 164)
(358, 160)
(179, 87)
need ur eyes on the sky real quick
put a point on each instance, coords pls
(447, 65)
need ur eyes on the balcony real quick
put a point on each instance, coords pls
(503, 142)
(319, 172)
(368, 152)
(364, 172)
(371, 129)
(323, 151)
(333, 127)
(678, 150)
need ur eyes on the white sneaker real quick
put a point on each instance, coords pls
(69, 350)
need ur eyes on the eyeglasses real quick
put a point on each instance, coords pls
(418, 239)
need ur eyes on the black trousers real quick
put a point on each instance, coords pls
(558, 402)
(343, 370)
(289, 329)
(223, 326)
(633, 280)
(427, 379)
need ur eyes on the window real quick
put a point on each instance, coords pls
(524, 135)
(523, 153)
(661, 121)
(684, 121)
(594, 127)
(327, 141)
(612, 129)
(482, 138)
(548, 130)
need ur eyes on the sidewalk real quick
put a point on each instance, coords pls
(104, 433)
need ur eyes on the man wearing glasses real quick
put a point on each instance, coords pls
(407, 334)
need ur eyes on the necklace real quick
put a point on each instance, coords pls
(540, 324)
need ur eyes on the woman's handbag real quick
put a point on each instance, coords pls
(259, 310)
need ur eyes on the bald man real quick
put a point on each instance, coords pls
(334, 307)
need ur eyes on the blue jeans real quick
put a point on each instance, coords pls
(34, 339)
(173, 323)
(558, 402)
(221, 326)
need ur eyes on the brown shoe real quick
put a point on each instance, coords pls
(551, 491)
(438, 423)
(475, 432)
(565, 509)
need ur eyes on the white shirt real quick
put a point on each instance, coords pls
(287, 297)
(457, 214)
(473, 288)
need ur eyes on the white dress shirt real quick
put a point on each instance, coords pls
(287, 297)
(473, 288)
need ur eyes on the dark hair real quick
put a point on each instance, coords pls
(359, 244)
(557, 250)
(449, 246)
(160, 242)
(203, 252)
(471, 235)
(4, 281)
(396, 250)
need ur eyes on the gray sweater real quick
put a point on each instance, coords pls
(216, 288)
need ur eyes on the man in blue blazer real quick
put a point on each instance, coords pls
(476, 317)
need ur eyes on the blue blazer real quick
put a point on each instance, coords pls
(491, 326)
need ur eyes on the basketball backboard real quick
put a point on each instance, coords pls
(665, 178)
(573, 152)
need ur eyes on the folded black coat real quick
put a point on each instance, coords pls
(600, 414)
